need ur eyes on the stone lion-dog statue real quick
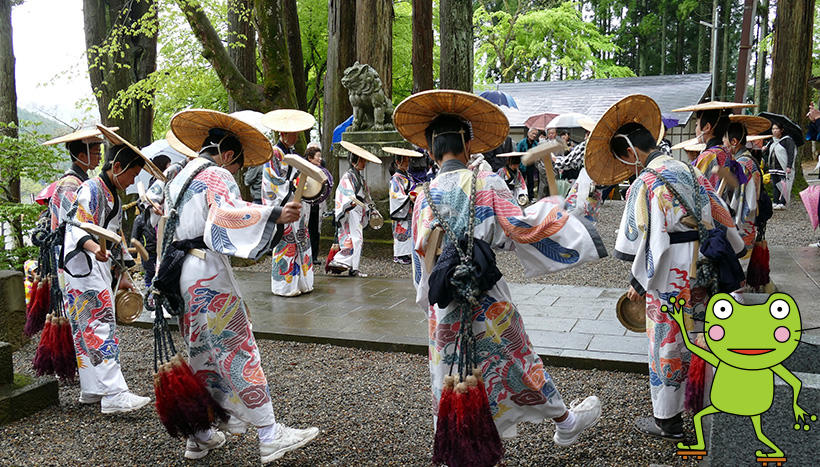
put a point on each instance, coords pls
(372, 110)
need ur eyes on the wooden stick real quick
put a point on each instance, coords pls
(297, 197)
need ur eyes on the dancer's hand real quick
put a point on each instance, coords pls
(633, 294)
(290, 213)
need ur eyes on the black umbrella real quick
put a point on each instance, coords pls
(786, 124)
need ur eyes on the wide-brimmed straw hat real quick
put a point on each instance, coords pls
(753, 138)
(402, 151)
(116, 139)
(86, 135)
(686, 143)
(511, 154)
(288, 120)
(695, 147)
(414, 114)
(361, 152)
(177, 145)
(713, 105)
(191, 127)
(754, 125)
(601, 164)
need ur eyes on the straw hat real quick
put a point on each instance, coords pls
(288, 120)
(86, 135)
(402, 151)
(599, 161)
(177, 145)
(511, 154)
(361, 152)
(754, 125)
(414, 114)
(686, 143)
(191, 128)
(697, 147)
(116, 139)
(714, 105)
(750, 139)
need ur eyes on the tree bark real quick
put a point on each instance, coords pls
(133, 60)
(341, 53)
(760, 62)
(241, 43)
(374, 39)
(422, 45)
(297, 61)
(745, 51)
(8, 110)
(456, 31)
(277, 77)
(791, 67)
(724, 60)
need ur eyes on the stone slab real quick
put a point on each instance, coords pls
(20, 402)
(532, 323)
(732, 438)
(620, 344)
(561, 340)
(6, 364)
(12, 308)
(600, 326)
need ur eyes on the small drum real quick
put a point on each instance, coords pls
(376, 220)
(632, 315)
(128, 306)
(313, 189)
(523, 200)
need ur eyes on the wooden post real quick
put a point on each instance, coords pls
(456, 18)
(422, 45)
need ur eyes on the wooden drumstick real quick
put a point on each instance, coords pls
(306, 169)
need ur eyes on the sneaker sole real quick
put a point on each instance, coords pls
(112, 410)
(574, 439)
(89, 401)
(278, 454)
(200, 454)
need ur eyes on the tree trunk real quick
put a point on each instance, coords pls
(8, 110)
(663, 43)
(456, 32)
(341, 53)
(241, 43)
(422, 45)
(743, 60)
(277, 78)
(297, 61)
(760, 63)
(791, 67)
(134, 57)
(724, 61)
(374, 39)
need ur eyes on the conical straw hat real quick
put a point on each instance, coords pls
(402, 151)
(288, 120)
(86, 135)
(697, 147)
(177, 145)
(752, 138)
(361, 152)
(511, 154)
(754, 125)
(601, 164)
(116, 139)
(191, 128)
(414, 114)
(686, 143)
(714, 105)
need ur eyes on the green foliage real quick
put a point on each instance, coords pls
(313, 27)
(541, 44)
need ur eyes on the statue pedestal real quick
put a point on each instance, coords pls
(377, 176)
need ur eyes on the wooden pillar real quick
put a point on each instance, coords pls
(456, 18)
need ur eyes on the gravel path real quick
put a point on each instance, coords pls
(373, 409)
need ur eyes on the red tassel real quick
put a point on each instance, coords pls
(65, 361)
(183, 403)
(492, 450)
(695, 383)
(44, 357)
(330, 255)
(757, 274)
(445, 430)
(37, 309)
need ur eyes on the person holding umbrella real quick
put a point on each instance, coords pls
(780, 155)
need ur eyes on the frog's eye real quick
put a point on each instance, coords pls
(722, 309)
(779, 309)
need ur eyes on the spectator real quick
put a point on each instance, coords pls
(781, 154)
(523, 146)
(496, 162)
(253, 178)
(314, 155)
(813, 132)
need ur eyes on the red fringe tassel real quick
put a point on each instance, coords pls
(44, 357)
(65, 361)
(757, 274)
(37, 309)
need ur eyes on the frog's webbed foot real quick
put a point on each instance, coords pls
(691, 447)
(777, 453)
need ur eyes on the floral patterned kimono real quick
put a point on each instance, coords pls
(60, 204)
(221, 348)
(744, 198)
(584, 198)
(351, 217)
(546, 239)
(515, 182)
(89, 293)
(292, 260)
(711, 159)
(661, 249)
(401, 211)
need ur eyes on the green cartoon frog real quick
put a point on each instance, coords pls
(747, 346)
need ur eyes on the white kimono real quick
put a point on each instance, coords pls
(88, 291)
(215, 327)
(351, 217)
(401, 211)
(292, 259)
(546, 239)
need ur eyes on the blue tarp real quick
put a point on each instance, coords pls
(337, 132)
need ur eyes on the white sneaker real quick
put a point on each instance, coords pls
(815, 245)
(234, 426)
(287, 439)
(195, 449)
(587, 414)
(125, 401)
(86, 398)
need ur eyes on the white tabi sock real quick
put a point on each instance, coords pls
(267, 433)
(204, 436)
(568, 423)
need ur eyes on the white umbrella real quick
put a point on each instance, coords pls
(254, 119)
(156, 148)
(568, 120)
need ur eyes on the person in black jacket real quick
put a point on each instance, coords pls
(497, 163)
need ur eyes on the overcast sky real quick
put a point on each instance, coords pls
(49, 46)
